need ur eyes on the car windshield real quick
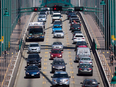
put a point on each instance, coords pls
(56, 51)
(34, 45)
(81, 43)
(60, 76)
(90, 82)
(33, 31)
(85, 66)
(57, 22)
(58, 31)
(76, 25)
(85, 59)
(42, 16)
(56, 15)
(57, 27)
(58, 62)
(57, 43)
(78, 36)
(73, 16)
(33, 56)
(32, 68)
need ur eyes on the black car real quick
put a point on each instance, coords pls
(90, 83)
(58, 64)
(76, 20)
(72, 13)
(80, 44)
(32, 71)
(85, 69)
(34, 59)
(75, 27)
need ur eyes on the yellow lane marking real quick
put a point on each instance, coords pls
(73, 82)
(68, 46)
(67, 43)
(45, 59)
(72, 76)
(45, 63)
(112, 75)
(70, 63)
(68, 49)
(43, 76)
(46, 52)
(107, 52)
(107, 63)
(71, 67)
(69, 55)
(45, 67)
(44, 72)
(46, 56)
(93, 34)
(69, 52)
(70, 59)
(12, 53)
(44, 82)
(71, 72)
(46, 49)
(46, 43)
(103, 52)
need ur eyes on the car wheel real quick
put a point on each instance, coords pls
(67, 86)
(92, 74)
(39, 76)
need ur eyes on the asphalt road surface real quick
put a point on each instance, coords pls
(68, 56)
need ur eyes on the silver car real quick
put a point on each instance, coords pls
(60, 78)
(85, 60)
(58, 33)
(57, 45)
(34, 47)
(42, 18)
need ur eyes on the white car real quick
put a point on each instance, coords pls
(34, 47)
(56, 17)
(86, 60)
(56, 12)
(58, 33)
(78, 37)
(42, 18)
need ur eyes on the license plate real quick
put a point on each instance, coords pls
(32, 75)
(33, 64)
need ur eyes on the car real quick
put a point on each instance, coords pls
(43, 13)
(86, 60)
(58, 34)
(82, 52)
(55, 53)
(57, 22)
(75, 21)
(78, 37)
(69, 14)
(60, 78)
(90, 83)
(85, 69)
(57, 45)
(73, 17)
(42, 18)
(80, 44)
(75, 27)
(34, 59)
(73, 33)
(56, 27)
(56, 12)
(34, 47)
(58, 64)
(56, 17)
(32, 71)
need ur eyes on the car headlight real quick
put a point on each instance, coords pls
(63, 67)
(54, 80)
(66, 80)
(27, 73)
(60, 55)
(53, 66)
(37, 72)
(52, 55)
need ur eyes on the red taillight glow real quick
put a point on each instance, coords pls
(83, 38)
(90, 69)
(80, 24)
(80, 69)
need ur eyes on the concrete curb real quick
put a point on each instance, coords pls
(96, 55)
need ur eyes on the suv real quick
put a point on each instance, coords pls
(90, 83)
(60, 78)
(34, 59)
(58, 64)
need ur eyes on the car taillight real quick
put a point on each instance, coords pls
(90, 69)
(73, 34)
(79, 28)
(73, 28)
(83, 38)
(77, 45)
(81, 62)
(90, 62)
(83, 86)
(97, 86)
(74, 38)
(70, 24)
(80, 69)
(80, 24)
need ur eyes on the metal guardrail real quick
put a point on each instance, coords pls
(100, 67)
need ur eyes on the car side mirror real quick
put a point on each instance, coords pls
(69, 76)
(77, 66)
(51, 63)
(25, 66)
(65, 63)
(51, 76)
(40, 57)
(81, 82)
(98, 83)
(92, 66)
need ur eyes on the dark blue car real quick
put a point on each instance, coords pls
(32, 71)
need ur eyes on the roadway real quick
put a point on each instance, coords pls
(68, 56)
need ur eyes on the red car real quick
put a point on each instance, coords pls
(55, 53)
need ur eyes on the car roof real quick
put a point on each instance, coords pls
(57, 42)
(33, 43)
(56, 25)
(79, 34)
(58, 59)
(60, 72)
(83, 48)
(34, 54)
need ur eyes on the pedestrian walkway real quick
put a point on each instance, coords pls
(5, 60)
(100, 41)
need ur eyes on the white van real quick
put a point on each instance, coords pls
(82, 52)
